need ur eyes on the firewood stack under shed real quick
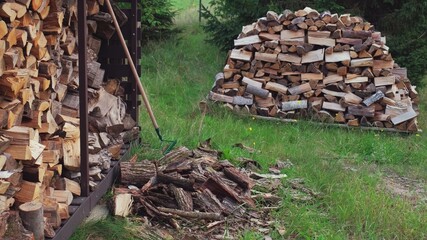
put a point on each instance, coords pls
(330, 68)
(39, 109)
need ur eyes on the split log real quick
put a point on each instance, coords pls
(122, 204)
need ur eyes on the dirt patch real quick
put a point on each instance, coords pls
(412, 190)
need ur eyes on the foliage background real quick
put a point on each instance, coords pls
(157, 20)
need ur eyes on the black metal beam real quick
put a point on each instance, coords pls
(134, 54)
(87, 203)
(83, 86)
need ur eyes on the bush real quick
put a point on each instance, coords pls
(403, 22)
(406, 32)
(225, 18)
(157, 19)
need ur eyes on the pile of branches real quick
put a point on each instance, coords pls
(196, 191)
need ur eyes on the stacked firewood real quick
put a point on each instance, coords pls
(331, 68)
(194, 189)
(39, 108)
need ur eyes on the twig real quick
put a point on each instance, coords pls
(188, 214)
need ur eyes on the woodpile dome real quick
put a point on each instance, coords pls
(322, 66)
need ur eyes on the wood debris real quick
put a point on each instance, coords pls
(194, 189)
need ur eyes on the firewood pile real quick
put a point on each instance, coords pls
(193, 189)
(39, 111)
(330, 68)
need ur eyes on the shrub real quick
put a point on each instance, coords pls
(225, 18)
(157, 19)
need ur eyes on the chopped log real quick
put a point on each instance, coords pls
(292, 105)
(313, 56)
(363, 62)
(63, 196)
(6, 11)
(31, 214)
(267, 57)
(351, 98)
(338, 56)
(300, 89)
(404, 117)
(350, 41)
(361, 111)
(356, 80)
(123, 204)
(136, 173)
(257, 91)
(277, 87)
(69, 185)
(219, 97)
(51, 212)
(384, 81)
(333, 106)
(238, 100)
(29, 191)
(321, 41)
(240, 54)
(63, 211)
(372, 99)
(48, 230)
(247, 41)
(292, 58)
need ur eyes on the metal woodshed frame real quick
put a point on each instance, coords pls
(112, 59)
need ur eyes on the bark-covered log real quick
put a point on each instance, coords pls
(31, 214)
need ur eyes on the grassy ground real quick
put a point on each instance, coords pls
(347, 166)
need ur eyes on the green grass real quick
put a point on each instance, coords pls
(183, 5)
(178, 75)
(177, 79)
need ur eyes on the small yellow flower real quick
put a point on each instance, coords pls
(418, 135)
(250, 129)
(253, 118)
(253, 143)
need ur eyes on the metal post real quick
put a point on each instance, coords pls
(82, 45)
(200, 11)
(133, 52)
